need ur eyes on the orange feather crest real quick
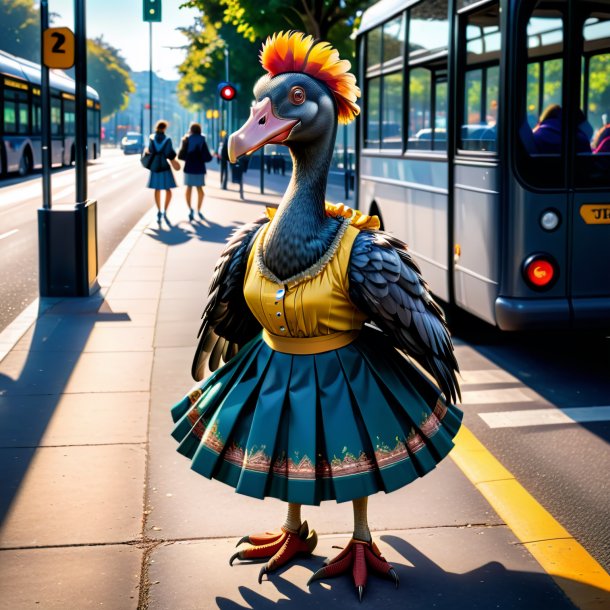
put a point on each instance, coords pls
(297, 52)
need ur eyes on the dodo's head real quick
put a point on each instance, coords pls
(307, 88)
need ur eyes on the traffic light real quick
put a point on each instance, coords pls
(152, 10)
(227, 91)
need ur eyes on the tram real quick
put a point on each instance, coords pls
(485, 145)
(20, 117)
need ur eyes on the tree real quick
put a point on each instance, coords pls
(331, 20)
(108, 74)
(204, 66)
(241, 26)
(20, 29)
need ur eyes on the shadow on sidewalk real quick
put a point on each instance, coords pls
(183, 231)
(34, 378)
(423, 585)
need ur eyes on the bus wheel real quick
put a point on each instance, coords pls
(25, 163)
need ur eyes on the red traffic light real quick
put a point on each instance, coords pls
(227, 91)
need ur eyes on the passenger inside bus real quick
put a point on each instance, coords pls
(601, 141)
(546, 137)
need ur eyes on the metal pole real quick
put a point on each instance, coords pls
(150, 78)
(80, 73)
(228, 104)
(46, 113)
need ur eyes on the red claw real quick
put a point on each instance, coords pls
(358, 556)
(280, 547)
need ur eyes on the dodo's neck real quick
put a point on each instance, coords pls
(300, 232)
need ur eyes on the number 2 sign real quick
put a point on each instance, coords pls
(58, 48)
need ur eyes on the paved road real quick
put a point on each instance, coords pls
(547, 375)
(115, 180)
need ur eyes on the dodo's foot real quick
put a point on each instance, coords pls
(358, 556)
(280, 547)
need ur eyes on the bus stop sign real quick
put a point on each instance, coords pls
(58, 48)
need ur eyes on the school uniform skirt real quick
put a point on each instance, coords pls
(338, 425)
(194, 179)
(161, 181)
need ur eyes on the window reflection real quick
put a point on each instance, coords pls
(373, 50)
(420, 116)
(391, 126)
(540, 129)
(481, 80)
(372, 113)
(593, 163)
(428, 27)
(394, 39)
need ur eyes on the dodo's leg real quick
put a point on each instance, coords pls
(359, 556)
(280, 547)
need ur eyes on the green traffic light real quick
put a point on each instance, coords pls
(152, 10)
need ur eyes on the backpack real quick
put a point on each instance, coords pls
(154, 160)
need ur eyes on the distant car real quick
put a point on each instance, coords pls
(132, 143)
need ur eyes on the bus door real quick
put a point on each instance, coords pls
(557, 242)
(476, 170)
(590, 178)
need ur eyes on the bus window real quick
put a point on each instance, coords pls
(439, 135)
(593, 165)
(16, 119)
(420, 109)
(384, 86)
(540, 123)
(373, 48)
(55, 116)
(428, 27)
(24, 121)
(371, 137)
(481, 80)
(36, 117)
(69, 118)
(394, 39)
(10, 116)
(391, 125)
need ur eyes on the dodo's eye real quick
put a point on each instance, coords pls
(297, 96)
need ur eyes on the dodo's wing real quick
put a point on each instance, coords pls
(386, 284)
(227, 322)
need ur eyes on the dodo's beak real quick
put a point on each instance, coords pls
(263, 127)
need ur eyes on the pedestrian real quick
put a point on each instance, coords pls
(161, 177)
(223, 157)
(195, 153)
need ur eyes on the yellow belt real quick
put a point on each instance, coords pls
(309, 345)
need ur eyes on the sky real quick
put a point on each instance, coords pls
(120, 23)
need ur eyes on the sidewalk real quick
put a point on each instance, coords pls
(99, 510)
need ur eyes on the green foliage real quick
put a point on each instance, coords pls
(599, 89)
(108, 74)
(241, 26)
(20, 29)
(204, 67)
(331, 20)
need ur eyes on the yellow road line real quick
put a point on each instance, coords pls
(582, 578)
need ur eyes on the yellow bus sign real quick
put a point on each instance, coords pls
(58, 48)
(595, 213)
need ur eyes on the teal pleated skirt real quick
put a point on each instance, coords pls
(333, 426)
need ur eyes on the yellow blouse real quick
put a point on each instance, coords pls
(311, 313)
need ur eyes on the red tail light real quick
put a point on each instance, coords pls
(540, 271)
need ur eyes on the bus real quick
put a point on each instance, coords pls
(484, 144)
(20, 117)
